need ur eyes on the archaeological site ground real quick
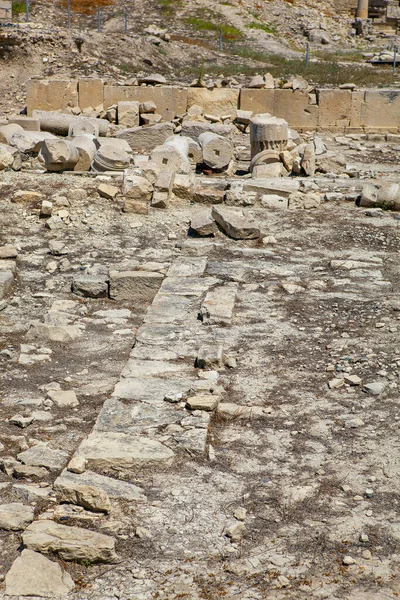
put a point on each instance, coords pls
(199, 300)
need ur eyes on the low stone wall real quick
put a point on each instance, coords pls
(351, 111)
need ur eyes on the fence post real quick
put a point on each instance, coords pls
(98, 20)
(220, 40)
(27, 11)
(125, 23)
(69, 14)
(307, 54)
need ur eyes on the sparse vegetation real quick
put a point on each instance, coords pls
(18, 8)
(228, 31)
(267, 27)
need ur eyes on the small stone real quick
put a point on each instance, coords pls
(364, 538)
(107, 191)
(348, 560)
(62, 398)
(236, 531)
(352, 379)
(240, 513)
(77, 464)
(354, 423)
(8, 251)
(335, 383)
(366, 555)
(202, 402)
(375, 388)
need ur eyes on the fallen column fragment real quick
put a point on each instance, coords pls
(234, 223)
(58, 155)
(86, 149)
(217, 150)
(60, 123)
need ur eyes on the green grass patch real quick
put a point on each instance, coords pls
(228, 31)
(18, 8)
(168, 7)
(267, 27)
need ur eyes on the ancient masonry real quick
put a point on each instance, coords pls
(199, 341)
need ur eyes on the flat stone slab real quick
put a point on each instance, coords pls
(187, 267)
(43, 456)
(187, 286)
(32, 574)
(69, 543)
(218, 305)
(234, 223)
(136, 367)
(168, 308)
(150, 390)
(136, 287)
(103, 449)
(136, 417)
(203, 402)
(15, 516)
(114, 488)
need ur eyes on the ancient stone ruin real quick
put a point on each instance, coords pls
(199, 341)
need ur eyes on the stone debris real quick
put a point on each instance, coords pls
(15, 516)
(234, 223)
(69, 543)
(32, 574)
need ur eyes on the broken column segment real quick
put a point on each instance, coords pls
(217, 150)
(87, 148)
(58, 155)
(59, 123)
(268, 133)
(112, 155)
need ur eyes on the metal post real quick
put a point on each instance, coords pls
(394, 58)
(126, 23)
(27, 11)
(307, 54)
(98, 20)
(220, 40)
(69, 14)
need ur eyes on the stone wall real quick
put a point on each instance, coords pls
(337, 110)
(5, 10)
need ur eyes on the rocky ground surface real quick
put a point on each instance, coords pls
(231, 418)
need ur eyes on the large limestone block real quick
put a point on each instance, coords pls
(103, 449)
(218, 102)
(128, 113)
(234, 223)
(69, 543)
(35, 575)
(381, 109)
(294, 107)
(43, 456)
(114, 488)
(90, 92)
(193, 129)
(146, 138)
(15, 516)
(257, 101)
(170, 101)
(54, 333)
(334, 108)
(357, 100)
(88, 496)
(136, 287)
(27, 123)
(51, 95)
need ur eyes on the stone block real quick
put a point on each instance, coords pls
(35, 575)
(27, 123)
(193, 129)
(51, 95)
(146, 138)
(357, 100)
(334, 109)
(170, 101)
(136, 287)
(381, 109)
(294, 106)
(257, 101)
(218, 102)
(128, 113)
(90, 93)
